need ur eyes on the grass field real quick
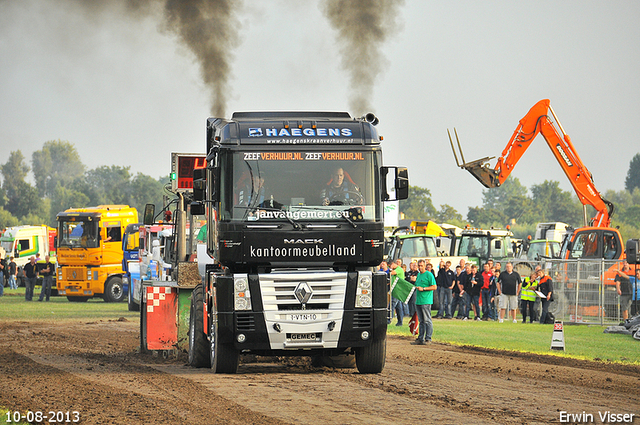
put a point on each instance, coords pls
(587, 342)
(14, 307)
(581, 341)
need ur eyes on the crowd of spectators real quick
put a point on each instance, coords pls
(467, 293)
(14, 276)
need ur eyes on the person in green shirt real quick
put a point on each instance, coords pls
(202, 234)
(396, 304)
(425, 285)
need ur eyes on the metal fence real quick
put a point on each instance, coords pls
(584, 291)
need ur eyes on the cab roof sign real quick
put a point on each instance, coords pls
(303, 133)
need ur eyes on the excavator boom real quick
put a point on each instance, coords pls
(535, 122)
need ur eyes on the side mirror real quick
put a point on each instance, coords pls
(400, 183)
(149, 214)
(199, 184)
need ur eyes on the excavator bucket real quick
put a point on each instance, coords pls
(479, 168)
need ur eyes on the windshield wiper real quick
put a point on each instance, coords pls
(351, 222)
(284, 214)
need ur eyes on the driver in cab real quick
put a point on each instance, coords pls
(341, 190)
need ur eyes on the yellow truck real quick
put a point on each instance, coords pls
(90, 251)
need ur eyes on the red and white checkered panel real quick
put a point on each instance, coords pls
(155, 295)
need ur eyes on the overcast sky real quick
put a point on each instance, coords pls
(126, 92)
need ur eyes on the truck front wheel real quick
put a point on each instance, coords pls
(371, 358)
(223, 357)
(198, 346)
(132, 305)
(143, 330)
(114, 290)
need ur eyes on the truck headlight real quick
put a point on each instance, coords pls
(363, 290)
(240, 284)
(242, 296)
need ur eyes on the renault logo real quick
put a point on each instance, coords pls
(303, 292)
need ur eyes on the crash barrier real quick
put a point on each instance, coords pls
(584, 290)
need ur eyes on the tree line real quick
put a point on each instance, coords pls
(62, 181)
(523, 208)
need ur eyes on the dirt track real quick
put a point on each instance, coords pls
(95, 368)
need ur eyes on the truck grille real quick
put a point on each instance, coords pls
(245, 322)
(362, 319)
(284, 291)
(74, 273)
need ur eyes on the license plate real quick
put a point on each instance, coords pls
(304, 337)
(303, 317)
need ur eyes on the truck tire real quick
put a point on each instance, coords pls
(523, 269)
(198, 344)
(132, 304)
(143, 330)
(223, 357)
(436, 301)
(75, 299)
(113, 290)
(371, 358)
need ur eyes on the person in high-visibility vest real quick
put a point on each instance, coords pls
(528, 297)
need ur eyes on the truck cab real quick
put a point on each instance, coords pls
(480, 245)
(22, 242)
(594, 243)
(409, 246)
(423, 240)
(294, 204)
(145, 250)
(539, 249)
(90, 254)
(130, 263)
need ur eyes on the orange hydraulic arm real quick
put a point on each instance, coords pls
(537, 121)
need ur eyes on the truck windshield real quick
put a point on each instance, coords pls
(293, 185)
(7, 245)
(474, 246)
(539, 249)
(422, 246)
(78, 234)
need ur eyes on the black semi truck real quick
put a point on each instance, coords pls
(294, 207)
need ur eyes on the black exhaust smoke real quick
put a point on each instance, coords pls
(209, 28)
(362, 26)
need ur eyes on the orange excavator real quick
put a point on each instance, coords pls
(597, 239)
